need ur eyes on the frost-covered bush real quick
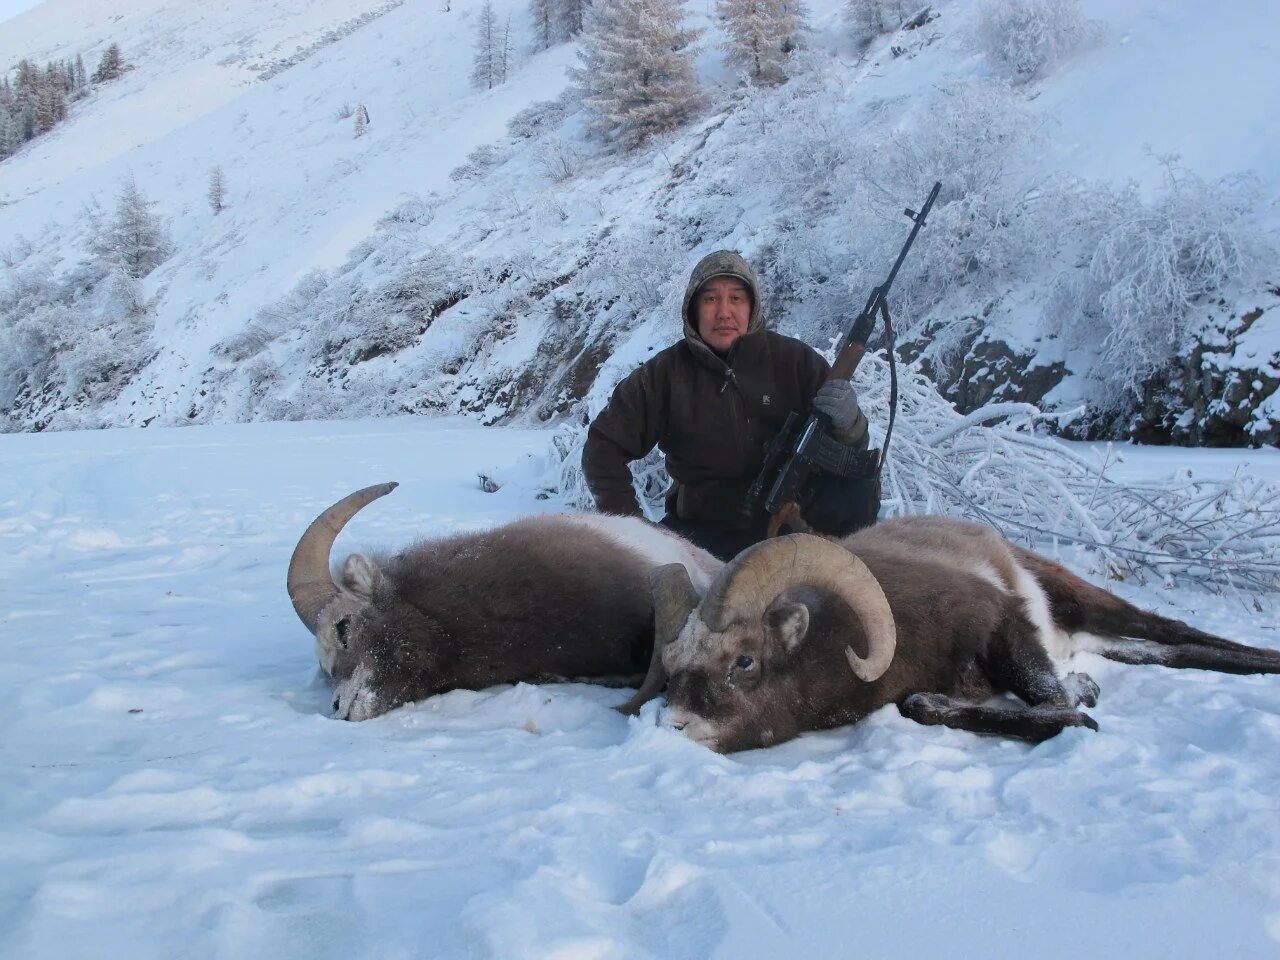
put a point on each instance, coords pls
(1147, 264)
(868, 19)
(108, 349)
(273, 320)
(987, 223)
(70, 339)
(560, 160)
(994, 466)
(478, 163)
(412, 212)
(540, 118)
(1027, 38)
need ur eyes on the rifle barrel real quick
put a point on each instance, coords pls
(862, 327)
(919, 219)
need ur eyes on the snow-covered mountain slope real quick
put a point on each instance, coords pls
(301, 189)
(504, 290)
(174, 786)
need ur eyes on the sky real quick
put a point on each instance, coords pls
(11, 8)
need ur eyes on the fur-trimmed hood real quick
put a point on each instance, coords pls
(722, 263)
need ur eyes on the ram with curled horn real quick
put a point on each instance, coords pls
(933, 614)
(549, 597)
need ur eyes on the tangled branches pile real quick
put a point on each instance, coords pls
(992, 466)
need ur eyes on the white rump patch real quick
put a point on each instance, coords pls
(1085, 642)
(1058, 643)
(985, 571)
(656, 545)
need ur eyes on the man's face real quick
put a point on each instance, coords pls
(724, 310)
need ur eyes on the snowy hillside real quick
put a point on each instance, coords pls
(175, 787)
(476, 252)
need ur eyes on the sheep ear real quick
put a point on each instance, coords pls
(787, 623)
(360, 574)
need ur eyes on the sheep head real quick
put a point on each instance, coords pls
(368, 640)
(777, 631)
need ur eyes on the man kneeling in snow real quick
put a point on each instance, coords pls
(712, 402)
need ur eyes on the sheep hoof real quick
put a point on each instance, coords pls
(1084, 720)
(1081, 688)
(928, 708)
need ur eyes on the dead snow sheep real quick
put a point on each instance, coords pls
(549, 597)
(933, 614)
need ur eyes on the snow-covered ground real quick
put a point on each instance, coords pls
(174, 787)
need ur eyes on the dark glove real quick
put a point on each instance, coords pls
(839, 401)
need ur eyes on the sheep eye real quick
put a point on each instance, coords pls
(340, 628)
(744, 663)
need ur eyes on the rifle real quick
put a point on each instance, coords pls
(799, 448)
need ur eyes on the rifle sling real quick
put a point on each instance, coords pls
(836, 458)
(890, 345)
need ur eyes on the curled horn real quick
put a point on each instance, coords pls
(311, 588)
(674, 598)
(746, 587)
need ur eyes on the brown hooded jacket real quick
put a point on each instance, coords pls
(711, 416)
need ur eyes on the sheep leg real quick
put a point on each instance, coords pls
(1016, 662)
(1033, 724)
(1196, 656)
(1079, 606)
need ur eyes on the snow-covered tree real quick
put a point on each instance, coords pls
(543, 15)
(504, 52)
(761, 35)
(9, 141)
(110, 66)
(635, 75)
(571, 17)
(51, 102)
(134, 237)
(486, 70)
(361, 120)
(217, 190)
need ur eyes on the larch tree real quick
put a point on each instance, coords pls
(543, 14)
(635, 74)
(110, 66)
(217, 190)
(761, 34)
(134, 237)
(485, 67)
(571, 17)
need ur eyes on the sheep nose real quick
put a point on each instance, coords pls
(336, 704)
